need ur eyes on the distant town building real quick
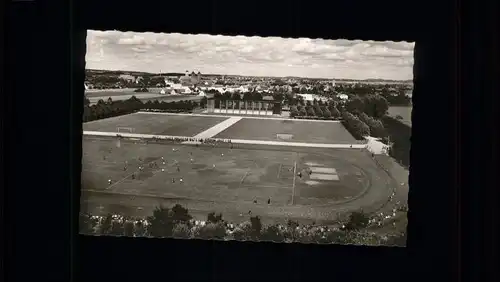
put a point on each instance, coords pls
(343, 97)
(311, 97)
(191, 79)
(127, 77)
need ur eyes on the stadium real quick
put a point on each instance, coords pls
(305, 170)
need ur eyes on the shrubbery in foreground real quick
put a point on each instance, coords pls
(177, 223)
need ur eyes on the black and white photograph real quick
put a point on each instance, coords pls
(289, 140)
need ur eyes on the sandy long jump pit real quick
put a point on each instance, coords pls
(207, 178)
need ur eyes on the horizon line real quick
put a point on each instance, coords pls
(211, 74)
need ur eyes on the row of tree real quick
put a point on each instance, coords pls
(355, 126)
(177, 222)
(314, 111)
(373, 105)
(106, 109)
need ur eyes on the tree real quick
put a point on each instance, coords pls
(375, 105)
(357, 220)
(302, 112)
(180, 214)
(355, 105)
(106, 223)
(161, 223)
(247, 96)
(256, 96)
(327, 113)
(85, 224)
(355, 126)
(318, 110)
(140, 229)
(128, 228)
(310, 111)
(214, 218)
(203, 102)
(256, 226)
(212, 231)
(335, 112)
(181, 230)
(86, 101)
(273, 233)
(376, 126)
(110, 101)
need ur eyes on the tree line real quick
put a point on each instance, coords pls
(106, 109)
(176, 222)
(109, 81)
(361, 116)
(315, 110)
(366, 116)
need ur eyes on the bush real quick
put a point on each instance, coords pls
(214, 218)
(272, 233)
(327, 113)
(318, 111)
(212, 231)
(310, 111)
(161, 223)
(334, 112)
(128, 228)
(355, 126)
(140, 229)
(303, 112)
(294, 111)
(375, 105)
(376, 126)
(357, 220)
(256, 227)
(181, 230)
(250, 230)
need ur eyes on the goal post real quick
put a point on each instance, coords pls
(125, 129)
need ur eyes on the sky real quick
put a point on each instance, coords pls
(250, 56)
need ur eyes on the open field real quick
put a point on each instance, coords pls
(404, 112)
(117, 92)
(178, 125)
(289, 130)
(229, 180)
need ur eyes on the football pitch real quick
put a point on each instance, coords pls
(132, 177)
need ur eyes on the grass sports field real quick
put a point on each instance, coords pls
(144, 123)
(229, 180)
(289, 130)
(301, 183)
(246, 128)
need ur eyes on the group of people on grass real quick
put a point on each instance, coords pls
(154, 164)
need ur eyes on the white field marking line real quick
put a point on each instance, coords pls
(246, 117)
(243, 179)
(218, 128)
(279, 170)
(293, 185)
(123, 179)
(234, 141)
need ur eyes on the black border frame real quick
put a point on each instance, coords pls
(51, 51)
